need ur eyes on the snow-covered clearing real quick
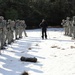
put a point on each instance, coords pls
(56, 55)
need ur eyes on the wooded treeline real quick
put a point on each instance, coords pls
(33, 11)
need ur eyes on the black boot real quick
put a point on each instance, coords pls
(2, 48)
(42, 37)
(5, 44)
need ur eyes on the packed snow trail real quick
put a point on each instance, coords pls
(56, 55)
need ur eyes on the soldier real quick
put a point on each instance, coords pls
(17, 22)
(5, 32)
(44, 25)
(67, 24)
(21, 28)
(73, 24)
(12, 24)
(1, 33)
(9, 31)
(64, 25)
(25, 29)
(70, 28)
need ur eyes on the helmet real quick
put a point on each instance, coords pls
(73, 17)
(67, 18)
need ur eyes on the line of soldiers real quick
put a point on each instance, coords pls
(10, 30)
(69, 26)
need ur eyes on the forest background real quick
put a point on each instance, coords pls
(33, 11)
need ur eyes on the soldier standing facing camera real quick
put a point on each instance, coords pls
(44, 25)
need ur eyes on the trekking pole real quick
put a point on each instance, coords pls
(40, 32)
(48, 34)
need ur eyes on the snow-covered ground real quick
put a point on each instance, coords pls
(56, 55)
